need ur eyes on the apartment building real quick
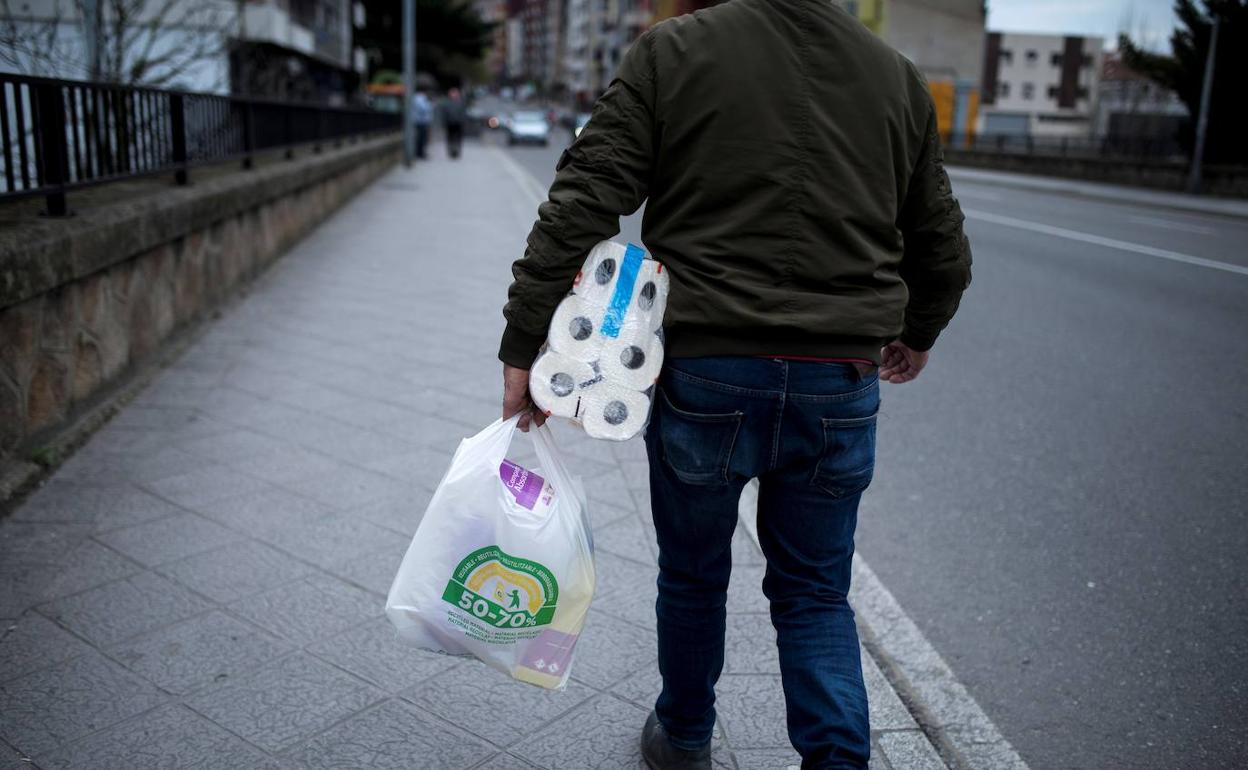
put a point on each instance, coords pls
(1040, 85)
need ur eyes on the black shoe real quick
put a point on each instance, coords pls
(660, 754)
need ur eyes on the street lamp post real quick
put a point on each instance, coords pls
(409, 80)
(1202, 122)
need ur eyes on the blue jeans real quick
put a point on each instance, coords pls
(806, 430)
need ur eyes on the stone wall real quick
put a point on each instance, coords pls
(86, 300)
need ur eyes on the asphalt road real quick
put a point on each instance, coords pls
(1060, 500)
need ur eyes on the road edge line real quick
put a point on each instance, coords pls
(945, 710)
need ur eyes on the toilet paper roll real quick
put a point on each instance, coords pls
(574, 330)
(614, 412)
(556, 383)
(632, 362)
(650, 298)
(597, 279)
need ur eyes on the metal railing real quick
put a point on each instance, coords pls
(60, 135)
(1110, 148)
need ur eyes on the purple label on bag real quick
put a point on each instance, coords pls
(550, 652)
(523, 484)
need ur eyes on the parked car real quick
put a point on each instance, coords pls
(528, 128)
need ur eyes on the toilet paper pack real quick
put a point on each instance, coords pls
(604, 350)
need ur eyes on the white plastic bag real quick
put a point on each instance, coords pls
(502, 565)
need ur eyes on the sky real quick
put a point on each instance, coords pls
(1147, 21)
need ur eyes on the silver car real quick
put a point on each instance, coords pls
(528, 127)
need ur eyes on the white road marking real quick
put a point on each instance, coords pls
(1171, 224)
(1099, 240)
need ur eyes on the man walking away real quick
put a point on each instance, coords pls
(797, 196)
(422, 117)
(454, 113)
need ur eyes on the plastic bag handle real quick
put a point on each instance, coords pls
(549, 457)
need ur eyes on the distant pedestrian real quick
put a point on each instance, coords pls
(454, 114)
(794, 188)
(422, 117)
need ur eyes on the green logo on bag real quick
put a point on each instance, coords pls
(502, 590)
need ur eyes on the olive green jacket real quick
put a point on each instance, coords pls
(794, 188)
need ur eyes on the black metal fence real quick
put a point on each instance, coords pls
(1159, 149)
(58, 135)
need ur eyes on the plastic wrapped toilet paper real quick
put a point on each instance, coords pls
(574, 330)
(614, 412)
(603, 351)
(556, 383)
(634, 362)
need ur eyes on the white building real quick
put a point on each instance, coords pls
(1040, 85)
(1133, 111)
(297, 49)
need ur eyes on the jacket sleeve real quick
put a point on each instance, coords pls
(603, 175)
(936, 263)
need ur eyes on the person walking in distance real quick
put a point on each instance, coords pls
(793, 175)
(422, 117)
(454, 113)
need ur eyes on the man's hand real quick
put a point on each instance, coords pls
(516, 398)
(901, 364)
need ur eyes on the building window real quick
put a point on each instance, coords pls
(1032, 56)
(1007, 56)
(1003, 90)
(1056, 60)
(1081, 92)
(1052, 92)
(1029, 90)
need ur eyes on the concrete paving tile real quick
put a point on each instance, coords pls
(492, 704)
(12, 759)
(642, 688)
(886, 709)
(627, 538)
(286, 702)
(391, 737)
(33, 642)
(208, 648)
(347, 488)
(421, 466)
(910, 749)
(750, 646)
(626, 589)
(166, 737)
(611, 649)
(287, 464)
(373, 651)
(87, 466)
(236, 446)
(604, 733)
(335, 538)
(878, 760)
(768, 759)
(210, 482)
(104, 507)
(168, 539)
(125, 608)
(47, 708)
(265, 511)
(374, 571)
(430, 431)
(745, 590)
(744, 551)
(236, 570)
(309, 609)
(505, 762)
(751, 710)
(35, 575)
(400, 514)
(610, 488)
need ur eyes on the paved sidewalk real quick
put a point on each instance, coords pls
(202, 583)
(1196, 204)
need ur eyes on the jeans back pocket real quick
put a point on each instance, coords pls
(697, 447)
(847, 462)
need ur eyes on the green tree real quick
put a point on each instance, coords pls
(1183, 71)
(450, 37)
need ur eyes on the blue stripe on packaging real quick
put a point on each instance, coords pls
(623, 295)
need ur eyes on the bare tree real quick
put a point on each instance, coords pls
(135, 42)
